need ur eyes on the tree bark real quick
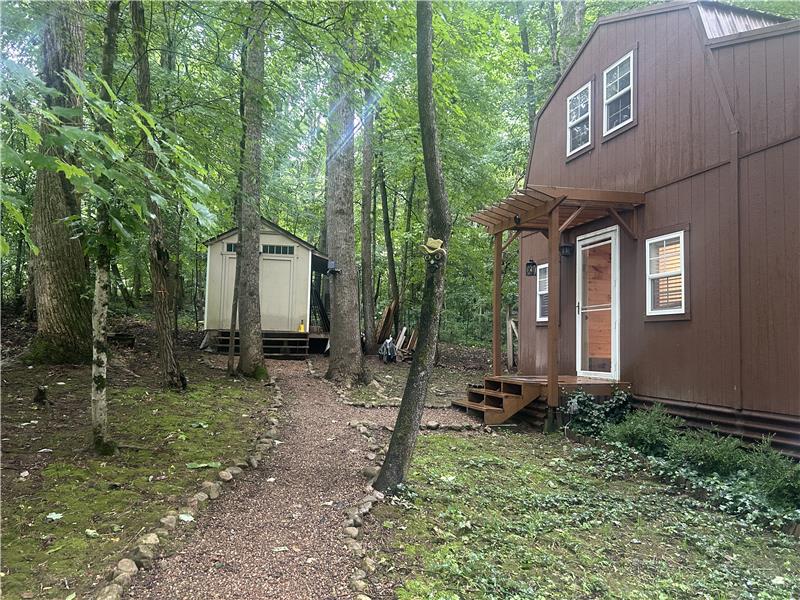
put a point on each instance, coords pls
(530, 91)
(394, 290)
(406, 243)
(251, 353)
(573, 12)
(59, 270)
(123, 289)
(346, 360)
(404, 438)
(159, 255)
(551, 21)
(102, 284)
(367, 270)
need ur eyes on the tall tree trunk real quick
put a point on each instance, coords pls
(18, 265)
(137, 281)
(346, 360)
(123, 289)
(394, 290)
(159, 255)
(237, 204)
(367, 271)
(102, 283)
(572, 15)
(401, 446)
(530, 91)
(251, 352)
(551, 22)
(30, 292)
(407, 242)
(60, 274)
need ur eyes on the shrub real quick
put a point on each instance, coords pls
(707, 452)
(650, 431)
(777, 476)
(590, 416)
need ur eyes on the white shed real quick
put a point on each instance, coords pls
(290, 282)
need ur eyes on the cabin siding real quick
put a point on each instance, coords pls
(736, 195)
(762, 80)
(679, 129)
(770, 187)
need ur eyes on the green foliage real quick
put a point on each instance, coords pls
(526, 516)
(777, 476)
(590, 416)
(707, 452)
(649, 431)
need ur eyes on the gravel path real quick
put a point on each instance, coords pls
(281, 538)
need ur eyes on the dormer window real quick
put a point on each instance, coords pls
(618, 94)
(579, 119)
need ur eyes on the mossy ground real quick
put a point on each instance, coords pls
(114, 496)
(528, 516)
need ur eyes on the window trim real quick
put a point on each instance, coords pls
(587, 117)
(650, 277)
(539, 317)
(631, 87)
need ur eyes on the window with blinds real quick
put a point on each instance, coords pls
(542, 296)
(666, 292)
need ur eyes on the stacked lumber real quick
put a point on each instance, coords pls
(406, 341)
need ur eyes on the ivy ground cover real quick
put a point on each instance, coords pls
(518, 516)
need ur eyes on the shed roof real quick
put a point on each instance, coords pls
(274, 226)
(723, 19)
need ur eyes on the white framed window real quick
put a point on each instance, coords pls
(618, 94)
(542, 295)
(579, 119)
(666, 270)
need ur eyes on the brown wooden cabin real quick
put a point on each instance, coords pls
(663, 188)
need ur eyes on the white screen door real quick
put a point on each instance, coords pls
(597, 304)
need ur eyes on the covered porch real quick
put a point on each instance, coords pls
(549, 210)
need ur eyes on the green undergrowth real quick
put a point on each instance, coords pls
(97, 506)
(527, 516)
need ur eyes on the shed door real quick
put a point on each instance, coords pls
(277, 293)
(228, 280)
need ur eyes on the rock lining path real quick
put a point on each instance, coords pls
(282, 539)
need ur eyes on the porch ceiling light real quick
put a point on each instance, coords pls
(530, 268)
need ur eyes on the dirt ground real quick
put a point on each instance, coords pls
(277, 535)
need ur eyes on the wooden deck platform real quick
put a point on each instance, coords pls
(503, 396)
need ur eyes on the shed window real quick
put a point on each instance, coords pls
(666, 286)
(277, 249)
(230, 247)
(579, 119)
(618, 94)
(542, 296)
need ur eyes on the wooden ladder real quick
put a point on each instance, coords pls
(499, 399)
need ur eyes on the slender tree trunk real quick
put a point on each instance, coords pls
(30, 292)
(237, 203)
(159, 255)
(551, 22)
(251, 352)
(406, 243)
(530, 92)
(126, 295)
(137, 282)
(18, 266)
(401, 446)
(367, 270)
(60, 274)
(177, 284)
(394, 290)
(102, 284)
(346, 360)
(573, 12)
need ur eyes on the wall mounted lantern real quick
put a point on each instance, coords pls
(530, 268)
(567, 250)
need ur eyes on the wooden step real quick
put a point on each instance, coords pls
(499, 400)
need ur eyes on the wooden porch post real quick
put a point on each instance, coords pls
(553, 319)
(497, 360)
